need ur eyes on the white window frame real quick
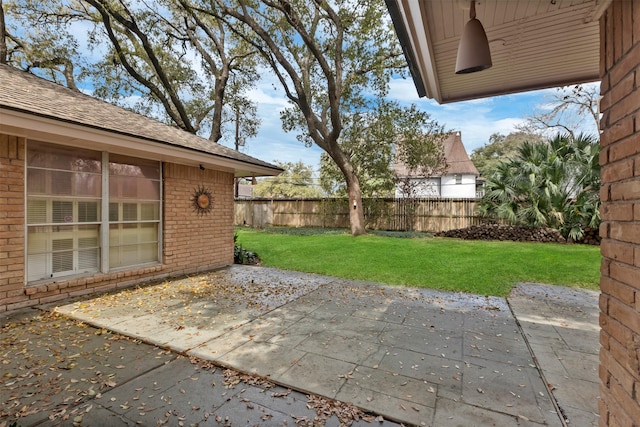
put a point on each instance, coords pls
(139, 223)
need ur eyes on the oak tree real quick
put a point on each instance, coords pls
(377, 139)
(332, 59)
(157, 58)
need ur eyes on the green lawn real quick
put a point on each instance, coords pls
(486, 268)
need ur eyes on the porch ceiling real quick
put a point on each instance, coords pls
(534, 44)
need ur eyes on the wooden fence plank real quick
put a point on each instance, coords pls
(401, 214)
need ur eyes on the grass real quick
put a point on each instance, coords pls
(479, 267)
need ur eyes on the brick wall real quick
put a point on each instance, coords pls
(192, 242)
(620, 230)
(11, 219)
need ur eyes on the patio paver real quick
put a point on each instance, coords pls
(414, 356)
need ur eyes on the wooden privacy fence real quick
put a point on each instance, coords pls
(425, 215)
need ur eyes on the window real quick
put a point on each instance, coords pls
(64, 211)
(134, 211)
(458, 178)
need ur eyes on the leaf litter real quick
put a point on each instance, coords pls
(57, 369)
(198, 301)
(53, 367)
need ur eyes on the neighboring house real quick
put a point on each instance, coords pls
(245, 191)
(94, 197)
(458, 181)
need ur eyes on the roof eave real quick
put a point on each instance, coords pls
(54, 130)
(397, 17)
(428, 49)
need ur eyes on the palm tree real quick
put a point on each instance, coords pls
(548, 184)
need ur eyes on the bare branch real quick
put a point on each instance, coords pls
(67, 69)
(569, 108)
(276, 58)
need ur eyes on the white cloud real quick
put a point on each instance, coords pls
(483, 104)
(477, 119)
(264, 94)
(279, 150)
(403, 90)
(476, 132)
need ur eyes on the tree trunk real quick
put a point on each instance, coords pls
(356, 210)
(3, 37)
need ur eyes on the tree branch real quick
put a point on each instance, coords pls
(4, 53)
(173, 106)
(275, 57)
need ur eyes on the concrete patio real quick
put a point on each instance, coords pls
(414, 356)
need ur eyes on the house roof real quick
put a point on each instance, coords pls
(36, 108)
(455, 155)
(534, 44)
(458, 161)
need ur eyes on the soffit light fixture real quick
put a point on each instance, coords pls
(473, 49)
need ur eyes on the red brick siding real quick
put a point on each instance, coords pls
(192, 242)
(620, 230)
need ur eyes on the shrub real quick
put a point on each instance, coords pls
(243, 256)
(552, 184)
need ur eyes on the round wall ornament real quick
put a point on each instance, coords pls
(202, 200)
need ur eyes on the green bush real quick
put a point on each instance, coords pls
(243, 256)
(552, 184)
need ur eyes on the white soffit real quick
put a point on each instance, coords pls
(534, 44)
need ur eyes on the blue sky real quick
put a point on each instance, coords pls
(476, 119)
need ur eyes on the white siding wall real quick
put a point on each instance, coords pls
(464, 190)
(421, 188)
(445, 187)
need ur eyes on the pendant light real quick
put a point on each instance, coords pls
(473, 50)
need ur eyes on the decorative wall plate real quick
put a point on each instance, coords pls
(202, 200)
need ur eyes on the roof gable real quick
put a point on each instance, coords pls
(458, 161)
(455, 155)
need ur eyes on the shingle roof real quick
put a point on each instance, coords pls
(455, 155)
(458, 161)
(27, 93)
